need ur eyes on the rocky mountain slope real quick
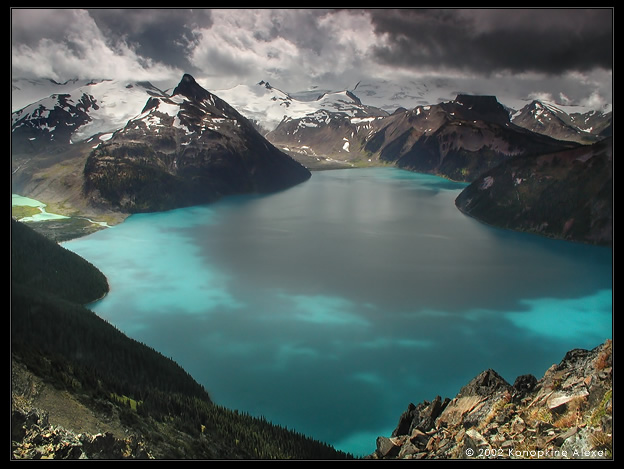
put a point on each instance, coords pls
(565, 195)
(554, 121)
(567, 414)
(326, 135)
(458, 140)
(184, 149)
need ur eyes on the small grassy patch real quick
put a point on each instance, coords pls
(602, 409)
(127, 401)
(23, 211)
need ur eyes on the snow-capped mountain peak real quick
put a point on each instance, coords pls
(575, 123)
(190, 108)
(79, 110)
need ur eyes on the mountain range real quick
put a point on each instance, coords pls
(266, 105)
(105, 148)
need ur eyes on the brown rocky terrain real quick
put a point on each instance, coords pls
(567, 414)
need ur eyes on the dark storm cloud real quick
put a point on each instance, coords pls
(170, 35)
(491, 40)
(27, 27)
(164, 35)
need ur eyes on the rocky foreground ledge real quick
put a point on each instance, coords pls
(33, 437)
(567, 414)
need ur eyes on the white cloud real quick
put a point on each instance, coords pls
(240, 46)
(72, 46)
(595, 101)
(291, 47)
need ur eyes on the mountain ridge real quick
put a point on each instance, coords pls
(457, 139)
(565, 195)
(254, 101)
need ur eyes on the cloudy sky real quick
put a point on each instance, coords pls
(564, 54)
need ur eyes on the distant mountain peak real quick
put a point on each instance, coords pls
(474, 99)
(191, 89)
(352, 95)
(484, 107)
(563, 122)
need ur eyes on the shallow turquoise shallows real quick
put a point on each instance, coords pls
(329, 307)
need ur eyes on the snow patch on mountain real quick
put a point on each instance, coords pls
(25, 91)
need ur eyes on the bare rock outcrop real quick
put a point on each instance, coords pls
(567, 414)
(33, 437)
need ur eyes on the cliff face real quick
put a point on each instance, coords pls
(567, 414)
(40, 440)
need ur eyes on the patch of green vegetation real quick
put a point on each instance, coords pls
(64, 229)
(23, 211)
(602, 409)
(127, 401)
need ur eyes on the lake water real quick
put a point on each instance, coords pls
(329, 307)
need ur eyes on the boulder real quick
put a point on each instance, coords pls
(421, 417)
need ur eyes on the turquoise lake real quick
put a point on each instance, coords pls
(329, 307)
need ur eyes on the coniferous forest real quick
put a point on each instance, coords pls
(73, 349)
